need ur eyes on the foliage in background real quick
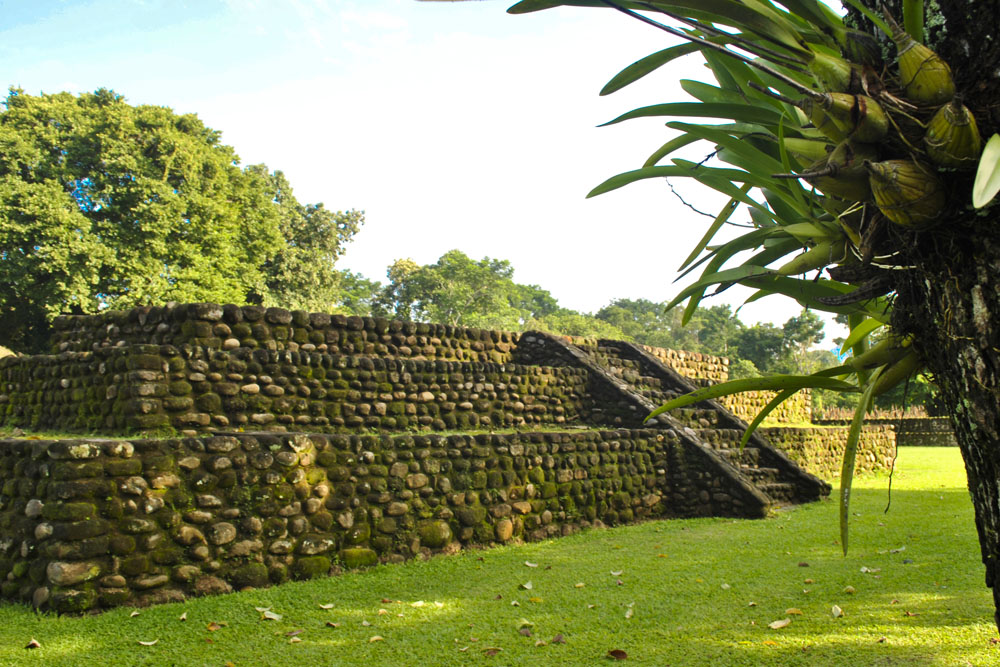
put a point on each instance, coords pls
(108, 205)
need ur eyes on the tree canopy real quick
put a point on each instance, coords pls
(108, 205)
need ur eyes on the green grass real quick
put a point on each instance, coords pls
(689, 583)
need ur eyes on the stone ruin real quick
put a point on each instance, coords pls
(259, 444)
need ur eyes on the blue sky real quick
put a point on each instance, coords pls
(453, 125)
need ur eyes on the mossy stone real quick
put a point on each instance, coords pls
(251, 574)
(278, 573)
(20, 568)
(167, 555)
(122, 467)
(74, 470)
(121, 545)
(310, 566)
(358, 557)
(209, 402)
(73, 600)
(68, 511)
(536, 475)
(113, 597)
(36, 571)
(227, 479)
(478, 480)
(434, 534)
(134, 565)
(180, 388)
(322, 520)
(359, 533)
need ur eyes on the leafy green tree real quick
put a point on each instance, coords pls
(571, 323)
(300, 274)
(648, 323)
(108, 205)
(455, 290)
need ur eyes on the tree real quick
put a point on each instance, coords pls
(455, 290)
(108, 205)
(878, 156)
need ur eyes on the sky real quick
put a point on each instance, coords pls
(453, 125)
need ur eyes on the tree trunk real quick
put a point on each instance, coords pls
(950, 301)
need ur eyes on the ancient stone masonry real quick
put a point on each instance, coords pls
(98, 523)
(294, 444)
(912, 431)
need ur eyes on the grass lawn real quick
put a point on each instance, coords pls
(691, 592)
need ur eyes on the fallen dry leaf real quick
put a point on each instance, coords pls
(837, 611)
(617, 573)
(491, 651)
(293, 633)
(620, 582)
(894, 602)
(268, 615)
(662, 556)
(149, 643)
(527, 586)
(808, 581)
(525, 632)
(383, 612)
(541, 642)
(499, 597)
(870, 570)
(793, 611)
(777, 625)
(528, 564)
(33, 644)
(911, 613)
(213, 626)
(769, 642)
(387, 601)
(725, 587)
(883, 639)
(803, 564)
(331, 624)
(617, 654)
(558, 639)
(849, 590)
(329, 605)
(629, 612)
(421, 603)
(579, 585)
(294, 640)
(365, 623)
(515, 603)
(463, 649)
(183, 617)
(591, 606)
(752, 604)
(535, 600)
(525, 623)
(133, 614)
(375, 638)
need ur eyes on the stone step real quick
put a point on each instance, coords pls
(779, 491)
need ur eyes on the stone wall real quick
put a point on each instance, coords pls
(97, 523)
(820, 449)
(693, 365)
(116, 389)
(913, 431)
(229, 327)
(746, 405)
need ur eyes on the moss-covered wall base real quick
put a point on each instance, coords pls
(820, 449)
(91, 523)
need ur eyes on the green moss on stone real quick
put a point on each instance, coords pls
(122, 467)
(121, 545)
(68, 511)
(358, 557)
(255, 575)
(134, 565)
(310, 566)
(434, 534)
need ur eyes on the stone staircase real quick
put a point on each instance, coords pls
(712, 425)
